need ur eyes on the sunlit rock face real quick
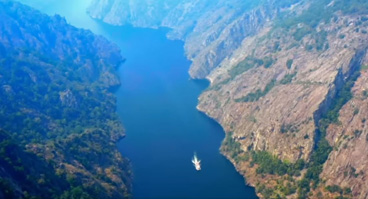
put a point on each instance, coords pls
(277, 73)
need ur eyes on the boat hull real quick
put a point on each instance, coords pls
(196, 163)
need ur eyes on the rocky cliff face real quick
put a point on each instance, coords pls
(58, 126)
(280, 73)
(212, 30)
(278, 108)
(347, 163)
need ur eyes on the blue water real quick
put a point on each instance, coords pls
(157, 104)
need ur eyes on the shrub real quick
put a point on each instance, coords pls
(268, 61)
(334, 189)
(252, 97)
(245, 65)
(289, 63)
(288, 78)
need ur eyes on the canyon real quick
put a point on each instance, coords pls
(287, 85)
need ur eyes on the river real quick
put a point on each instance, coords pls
(157, 105)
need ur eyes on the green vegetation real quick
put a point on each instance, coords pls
(81, 133)
(288, 189)
(338, 190)
(300, 33)
(289, 63)
(245, 65)
(358, 7)
(342, 97)
(28, 168)
(318, 12)
(300, 25)
(269, 164)
(321, 42)
(334, 189)
(231, 146)
(249, 63)
(57, 109)
(285, 128)
(309, 19)
(266, 192)
(364, 67)
(323, 148)
(352, 172)
(268, 61)
(288, 78)
(315, 167)
(320, 38)
(252, 97)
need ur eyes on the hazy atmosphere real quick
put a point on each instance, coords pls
(145, 99)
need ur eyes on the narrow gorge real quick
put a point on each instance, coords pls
(287, 85)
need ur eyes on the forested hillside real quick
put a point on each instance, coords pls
(58, 121)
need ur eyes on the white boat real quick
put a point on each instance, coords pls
(196, 162)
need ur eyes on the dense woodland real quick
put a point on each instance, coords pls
(58, 124)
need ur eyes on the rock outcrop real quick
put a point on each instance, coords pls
(280, 72)
(347, 163)
(283, 120)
